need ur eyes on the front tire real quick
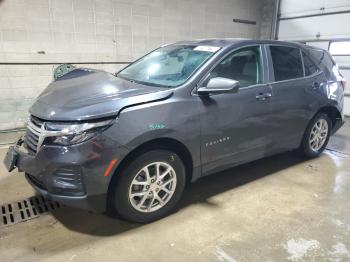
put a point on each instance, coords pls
(149, 187)
(316, 136)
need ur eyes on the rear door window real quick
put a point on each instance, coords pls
(287, 63)
(309, 66)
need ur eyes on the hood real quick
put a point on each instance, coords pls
(85, 94)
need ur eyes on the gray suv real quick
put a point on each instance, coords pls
(129, 142)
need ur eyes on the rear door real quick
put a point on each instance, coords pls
(295, 92)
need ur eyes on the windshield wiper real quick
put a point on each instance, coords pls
(143, 83)
(125, 78)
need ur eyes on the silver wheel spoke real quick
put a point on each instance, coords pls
(157, 171)
(160, 200)
(313, 139)
(165, 173)
(135, 194)
(319, 125)
(167, 182)
(318, 142)
(140, 183)
(148, 178)
(166, 190)
(142, 201)
(151, 203)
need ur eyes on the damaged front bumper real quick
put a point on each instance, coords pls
(72, 175)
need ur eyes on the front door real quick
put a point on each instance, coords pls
(235, 127)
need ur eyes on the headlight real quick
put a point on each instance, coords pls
(70, 134)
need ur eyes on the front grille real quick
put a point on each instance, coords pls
(36, 121)
(33, 132)
(31, 141)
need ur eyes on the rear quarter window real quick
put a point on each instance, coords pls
(309, 66)
(324, 61)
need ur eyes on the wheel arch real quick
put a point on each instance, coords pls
(165, 143)
(332, 112)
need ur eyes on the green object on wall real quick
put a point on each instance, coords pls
(61, 70)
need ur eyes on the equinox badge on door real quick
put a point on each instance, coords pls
(217, 141)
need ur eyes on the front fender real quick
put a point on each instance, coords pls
(177, 119)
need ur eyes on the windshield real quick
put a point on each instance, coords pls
(168, 66)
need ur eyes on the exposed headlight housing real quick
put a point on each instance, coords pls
(69, 134)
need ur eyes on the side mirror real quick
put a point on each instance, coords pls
(219, 85)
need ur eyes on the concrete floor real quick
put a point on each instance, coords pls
(277, 209)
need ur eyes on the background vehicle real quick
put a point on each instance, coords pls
(131, 142)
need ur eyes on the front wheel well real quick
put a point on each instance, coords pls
(159, 143)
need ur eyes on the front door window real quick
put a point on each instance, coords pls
(243, 65)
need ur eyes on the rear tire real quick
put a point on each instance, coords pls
(316, 136)
(149, 187)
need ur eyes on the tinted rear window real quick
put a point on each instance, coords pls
(310, 67)
(287, 62)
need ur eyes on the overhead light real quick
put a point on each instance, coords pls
(339, 48)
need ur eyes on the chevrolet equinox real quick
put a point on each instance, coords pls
(129, 142)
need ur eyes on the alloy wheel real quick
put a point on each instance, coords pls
(318, 135)
(152, 187)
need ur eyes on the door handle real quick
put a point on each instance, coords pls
(263, 96)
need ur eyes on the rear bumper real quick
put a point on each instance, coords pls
(72, 175)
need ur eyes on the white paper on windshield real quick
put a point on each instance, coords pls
(207, 48)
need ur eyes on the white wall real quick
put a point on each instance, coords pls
(266, 19)
(307, 28)
(291, 8)
(100, 31)
(318, 29)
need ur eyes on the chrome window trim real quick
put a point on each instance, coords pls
(299, 78)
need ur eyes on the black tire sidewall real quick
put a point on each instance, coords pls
(120, 196)
(306, 149)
